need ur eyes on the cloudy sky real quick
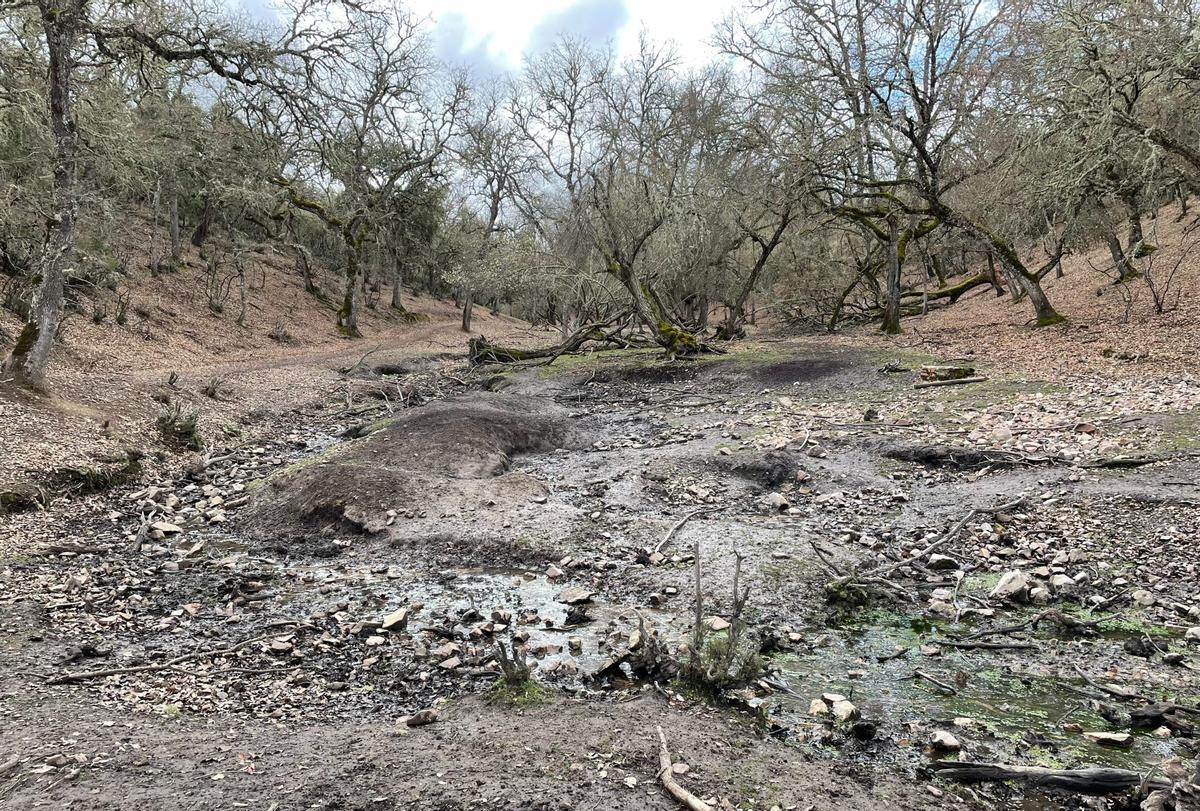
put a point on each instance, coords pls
(493, 35)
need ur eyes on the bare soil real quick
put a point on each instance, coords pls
(362, 531)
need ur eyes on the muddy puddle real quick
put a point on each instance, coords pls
(994, 709)
(561, 638)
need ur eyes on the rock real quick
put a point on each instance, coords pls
(717, 624)
(1119, 740)
(931, 650)
(451, 663)
(1162, 732)
(818, 707)
(680, 768)
(939, 608)
(941, 563)
(396, 620)
(553, 572)
(776, 502)
(575, 595)
(844, 711)
(1192, 634)
(1040, 596)
(1143, 598)
(1014, 585)
(1062, 584)
(943, 741)
(422, 718)
(375, 641)
(166, 527)
(864, 730)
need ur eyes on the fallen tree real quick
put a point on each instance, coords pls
(1083, 781)
(481, 351)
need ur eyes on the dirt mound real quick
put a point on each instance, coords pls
(449, 456)
(799, 370)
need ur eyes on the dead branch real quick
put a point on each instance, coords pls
(679, 525)
(68, 678)
(1084, 781)
(667, 778)
(948, 689)
(958, 381)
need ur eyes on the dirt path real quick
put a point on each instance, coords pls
(323, 589)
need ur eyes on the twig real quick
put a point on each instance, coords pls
(1115, 692)
(665, 776)
(679, 525)
(67, 678)
(988, 645)
(941, 685)
(924, 384)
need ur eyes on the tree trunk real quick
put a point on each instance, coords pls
(173, 225)
(347, 317)
(891, 312)
(241, 272)
(30, 356)
(991, 263)
(1121, 261)
(1044, 313)
(206, 218)
(468, 307)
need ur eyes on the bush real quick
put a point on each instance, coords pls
(179, 428)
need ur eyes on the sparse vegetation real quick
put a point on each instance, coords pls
(180, 427)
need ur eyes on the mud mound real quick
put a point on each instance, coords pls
(446, 456)
(676, 371)
(799, 370)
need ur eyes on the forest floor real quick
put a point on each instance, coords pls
(294, 601)
(369, 518)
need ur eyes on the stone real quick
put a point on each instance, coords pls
(1143, 598)
(1192, 634)
(942, 563)
(943, 741)
(1061, 583)
(422, 718)
(818, 707)
(717, 624)
(396, 620)
(166, 527)
(1014, 585)
(776, 502)
(1119, 740)
(553, 572)
(451, 663)
(575, 595)
(844, 711)
(1040, 596)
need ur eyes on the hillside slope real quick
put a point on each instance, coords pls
(104, 376)
(1108, 326)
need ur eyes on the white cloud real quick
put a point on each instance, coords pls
(488, 33)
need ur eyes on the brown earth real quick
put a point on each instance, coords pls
(583, 468)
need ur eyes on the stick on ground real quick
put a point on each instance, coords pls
(667, 778)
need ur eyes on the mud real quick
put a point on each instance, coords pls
(475, 514)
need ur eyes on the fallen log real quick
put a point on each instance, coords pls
(950, 291)
(1094, 781)
(955, 381)
(481, 351)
